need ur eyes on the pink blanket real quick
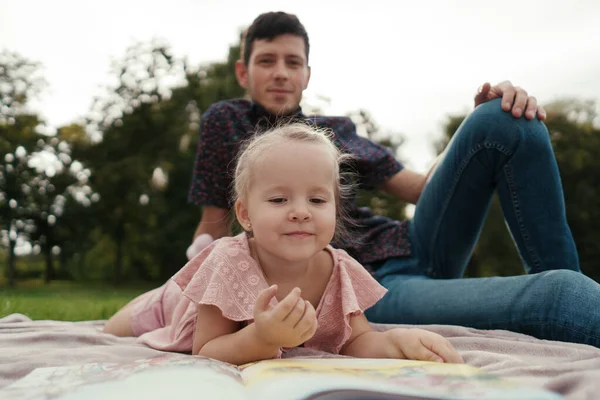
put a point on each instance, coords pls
(570, 369)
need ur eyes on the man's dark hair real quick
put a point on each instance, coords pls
(270, 25)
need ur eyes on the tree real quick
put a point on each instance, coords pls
(14, 196)
(130, 132)
(215, 81)
(36, 180)
(19, 81)
(574, 127)
(78, 216)
(206, 84)
(141, 152)
(58, 179)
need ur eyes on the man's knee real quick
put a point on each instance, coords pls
(564, 292)
(490, 126)
(569, 299)
(559, 280)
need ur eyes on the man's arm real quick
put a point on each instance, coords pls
(215, 221)
(406, 185)
(210, 175)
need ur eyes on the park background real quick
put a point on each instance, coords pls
(100, 104)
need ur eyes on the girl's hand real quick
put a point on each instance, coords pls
(289, 324)
(419, 344)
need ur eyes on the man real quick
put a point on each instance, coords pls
(502, 146)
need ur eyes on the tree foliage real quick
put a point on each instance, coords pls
(36, 179)
(108, 198)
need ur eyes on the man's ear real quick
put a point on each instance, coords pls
(241, 73)
(307, 78)
(241, 213)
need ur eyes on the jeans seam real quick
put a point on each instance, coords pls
(508, 174)
(476, 149)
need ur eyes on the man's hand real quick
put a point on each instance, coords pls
(200, 243)
(514, 99)
(419, 344)
(289, 324)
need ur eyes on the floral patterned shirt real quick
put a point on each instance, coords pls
(226, 276)
(227, 124)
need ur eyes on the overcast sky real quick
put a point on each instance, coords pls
(409, 65)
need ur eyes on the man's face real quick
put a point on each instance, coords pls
(277, 73)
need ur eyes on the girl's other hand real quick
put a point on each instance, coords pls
(419, 344)
(289, 324)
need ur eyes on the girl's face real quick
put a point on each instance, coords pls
(290, 205)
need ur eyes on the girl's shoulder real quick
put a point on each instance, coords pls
(225, 275)
(344, 260)
(354, 278)
(222, 253)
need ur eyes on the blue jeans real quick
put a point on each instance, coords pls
(493, 151)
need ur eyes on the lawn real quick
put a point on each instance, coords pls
(66, 301)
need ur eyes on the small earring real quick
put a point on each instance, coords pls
(248, 230)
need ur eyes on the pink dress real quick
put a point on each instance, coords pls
(226, 276)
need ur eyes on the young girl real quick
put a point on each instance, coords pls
(279, 284)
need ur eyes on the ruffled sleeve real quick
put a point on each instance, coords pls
(351, 291)
(224, 275)
(360, 291)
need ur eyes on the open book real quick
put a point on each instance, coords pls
(178, 376)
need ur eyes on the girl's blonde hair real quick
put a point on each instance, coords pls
(257, 146)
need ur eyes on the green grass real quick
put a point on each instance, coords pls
(66, 301)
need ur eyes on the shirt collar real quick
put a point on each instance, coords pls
(261, 117)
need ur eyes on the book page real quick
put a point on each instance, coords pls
(345, 378)
(170, 377)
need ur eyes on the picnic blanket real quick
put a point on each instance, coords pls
(570, 369)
